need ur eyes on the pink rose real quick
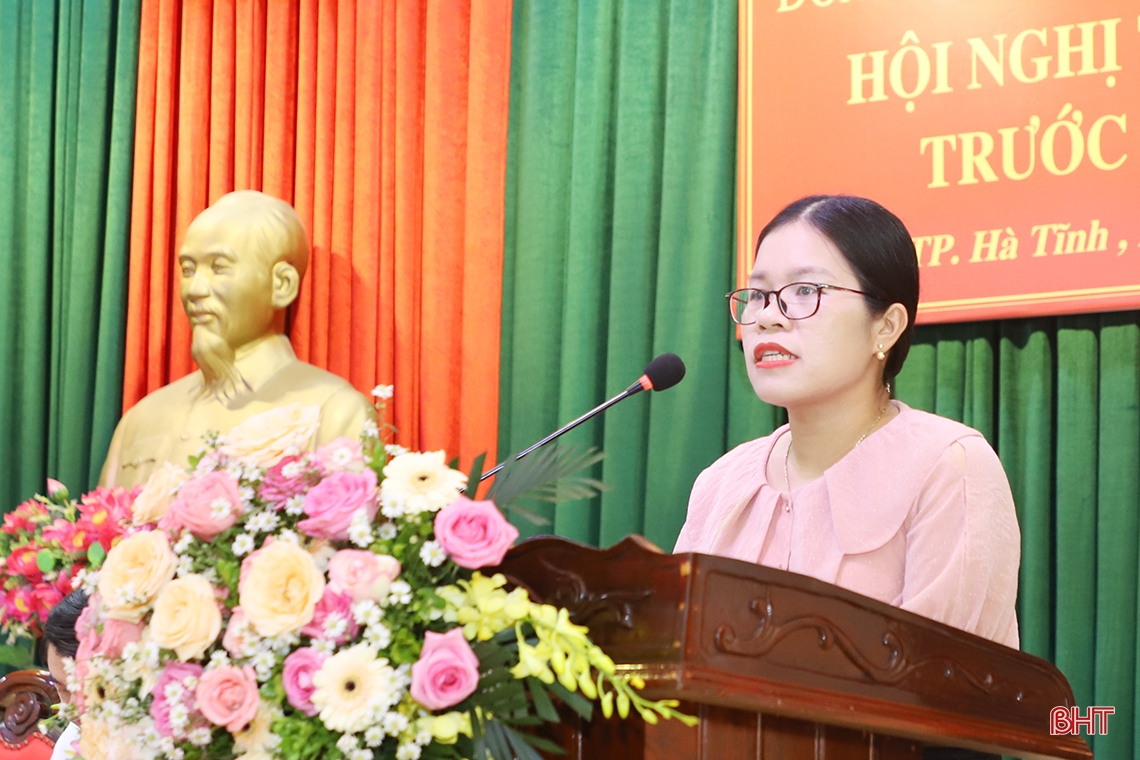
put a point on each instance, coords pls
(88, 645)
(363, 574)
(116, 635)
(332, 608)
(206, 506)
(447, 671)
(89, 618)
(160, 707)
(331, 504)
(339, 455)
(237, 634)
(228, 696)
(290, 477)
(474, 533)
(298, 676)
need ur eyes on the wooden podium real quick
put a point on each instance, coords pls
(780, 665)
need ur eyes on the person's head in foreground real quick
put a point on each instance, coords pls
(59, 633)
(828, 318)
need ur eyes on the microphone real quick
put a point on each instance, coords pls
(661, 374)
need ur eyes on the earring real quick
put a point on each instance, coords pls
(881, 356)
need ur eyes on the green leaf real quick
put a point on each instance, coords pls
(473, 478)
(45, 560)
(573, 700)
(542, 704)
(95, 555)
(16, 657)
(546, 475)
(543, 744)
(533, 517)
(496, 741)
(522, 750)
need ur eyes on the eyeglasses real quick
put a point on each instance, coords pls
(797, 300)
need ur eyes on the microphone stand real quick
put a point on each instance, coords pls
(631, 390)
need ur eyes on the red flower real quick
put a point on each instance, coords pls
(21, 603)
(47, 596)
(22, 563)
(60, 531)
(63, 583)
(105, 512)
(22, 519)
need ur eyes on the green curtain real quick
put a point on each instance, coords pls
(620, 198)
(68, 71)
(1060, 400)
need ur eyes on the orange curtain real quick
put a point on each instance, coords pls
(384, 122)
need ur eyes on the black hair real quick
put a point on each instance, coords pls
(59, 630)
(878, 248)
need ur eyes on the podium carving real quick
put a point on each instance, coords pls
(780, 665)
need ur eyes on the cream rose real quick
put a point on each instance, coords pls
(135, 570)
(186, 617)
(265, 438)
(150, 506)
(279, 588)
(94, 736)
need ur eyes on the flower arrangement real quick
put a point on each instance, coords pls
(272, 602)
(49, 543)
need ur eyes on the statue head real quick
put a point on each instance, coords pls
(242, 261)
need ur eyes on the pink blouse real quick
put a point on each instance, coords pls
(919, 516)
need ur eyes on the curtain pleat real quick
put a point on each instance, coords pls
(384, 124)
(67, 82)
(1063, 412)
(619, 211)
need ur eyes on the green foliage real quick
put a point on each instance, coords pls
(45, 560)
(473, 477)
(16, 657)
(95, 555)
(546, 475)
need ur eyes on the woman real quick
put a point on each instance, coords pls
(857, 490)
(59, 633)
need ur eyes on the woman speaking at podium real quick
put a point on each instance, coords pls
(858, 490)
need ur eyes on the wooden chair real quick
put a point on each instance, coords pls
(26, 697)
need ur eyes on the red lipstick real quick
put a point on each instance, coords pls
(777, 356)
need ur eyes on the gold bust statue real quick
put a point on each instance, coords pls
(241, 262)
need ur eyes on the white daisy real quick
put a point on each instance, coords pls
(432, 554)
(349, 685)
(400, 593)
(360, 531)
(409, 752)
(420, 483)
(374, 736)
(243, 544)
(378, 636)
(295, 505)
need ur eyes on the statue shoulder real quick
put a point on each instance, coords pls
(343, 408)
(161, 402)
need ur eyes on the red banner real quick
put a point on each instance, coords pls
(998, 131)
